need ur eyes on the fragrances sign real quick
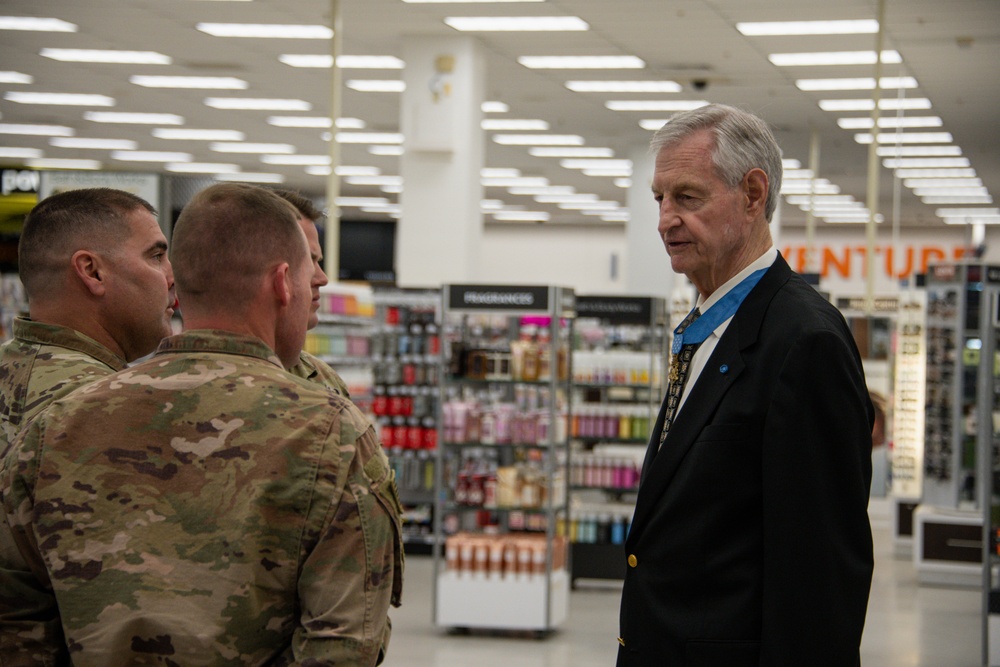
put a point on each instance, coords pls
(616, 309)
(516, 298)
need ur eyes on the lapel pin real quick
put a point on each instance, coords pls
(723, 369)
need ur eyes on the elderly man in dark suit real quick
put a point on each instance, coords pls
(750, 544)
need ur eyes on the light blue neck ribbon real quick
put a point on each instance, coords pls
(723, 309)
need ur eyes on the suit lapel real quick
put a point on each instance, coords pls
(709, 388)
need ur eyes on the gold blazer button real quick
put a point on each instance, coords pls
(632, 561)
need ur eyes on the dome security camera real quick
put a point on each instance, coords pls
(699, 84)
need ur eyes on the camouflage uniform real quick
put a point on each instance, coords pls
(203, 507)
(41, 363)
(313, 368)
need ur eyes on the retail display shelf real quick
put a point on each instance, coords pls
(533, 602)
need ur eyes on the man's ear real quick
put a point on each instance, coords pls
(281, 283)
(755, 187)
(89, 270)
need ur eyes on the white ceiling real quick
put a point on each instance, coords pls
(951, 47)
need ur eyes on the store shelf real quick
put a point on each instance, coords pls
(502, 457)
(618, 382)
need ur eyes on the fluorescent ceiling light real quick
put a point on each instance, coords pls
(490, 205)
(943, 182)
(361, 201)
(516, 23)
(925, 163)
(624, 86)
(531, 191)
(186, 134)
(935, 173)
(499, 172)
(107, 56)
(653, 124)
(832, 58)
(603, 172)
(61, 163)
(36, 130)
(151, 156)
(570, 152)
(582, 62)
(20, 153)
(494, 124)
(850, 27)
(80, 142)
(386, 150)
(257, 104)
(369, 62)
(376, 85)
(934, 201)
(251, 177)
(300, 121)
(60, 99)
(357, 170)
(516, 182)
(623, 182)
(968, 212)
(949, 191)
(825, 200)
(391, 189)
(133, 118)
(494, 107)
(891, 122)
(654, 105)
(566, 199)
(265, 30)
(325, 61)
(318, 170)
(789, 163)
(907, 138)
(889, 104)
(193, 82)
(239, 147)
(369, 138)
(918, 151)
(521, 216)
(296, 160)
(803, 187)
(16, 77)
(617, 216)
(202, 168)
(375, 180)
(795, 174)
(861, 83)
(589, 205)
(538, 139)
(595, 164)
(35, 24)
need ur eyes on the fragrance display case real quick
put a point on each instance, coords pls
(502, 457)
(619, 371)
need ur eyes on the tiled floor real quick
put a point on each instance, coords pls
(907, 625)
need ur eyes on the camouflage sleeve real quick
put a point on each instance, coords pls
(314, 369)
(354, 568)
(30, 628)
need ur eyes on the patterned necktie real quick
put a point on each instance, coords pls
(680, 364)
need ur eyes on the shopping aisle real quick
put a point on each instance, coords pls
(907, 626)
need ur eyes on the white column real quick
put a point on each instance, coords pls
(647, 265)
(440, 230)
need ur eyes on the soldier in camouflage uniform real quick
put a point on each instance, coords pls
(310, 366)
(206, 507)
(100, 288)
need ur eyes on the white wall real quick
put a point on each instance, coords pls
(575, 256)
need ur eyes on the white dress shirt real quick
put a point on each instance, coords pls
(705, 350)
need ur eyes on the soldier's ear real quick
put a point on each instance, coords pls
(281, 284)
(89, 270)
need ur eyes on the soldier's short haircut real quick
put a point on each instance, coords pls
(307, 209)
(94, 219)
(229, 236)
